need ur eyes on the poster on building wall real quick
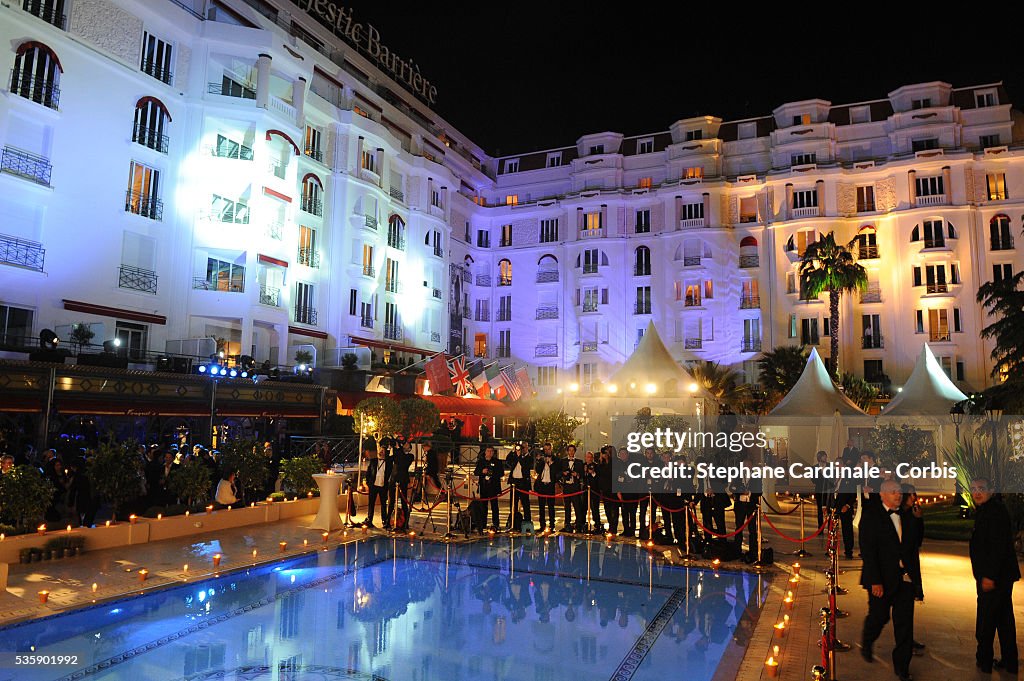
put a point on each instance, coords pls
(455, 273)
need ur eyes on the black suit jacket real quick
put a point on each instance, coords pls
(490, 482)
(992, 553)
(525, 462)
(371, 471)
(883, 550)
(400, 462)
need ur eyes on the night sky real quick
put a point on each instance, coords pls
(517, 77)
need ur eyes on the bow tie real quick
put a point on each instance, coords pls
(892, 511)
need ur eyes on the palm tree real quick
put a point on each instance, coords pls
(828, 266)
(781, 368)
(1004, 301)
(724, 384)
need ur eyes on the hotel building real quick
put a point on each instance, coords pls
(174, 171)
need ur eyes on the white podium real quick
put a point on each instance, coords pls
(328, 518)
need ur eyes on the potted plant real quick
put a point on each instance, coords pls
(277, 497)
(82, 334)
(24, 497)
(251, 465)
(303, 357)
(115, 471)
(191, 482)
(298, 474)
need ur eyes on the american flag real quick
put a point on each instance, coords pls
(511, 383)
(460, 376)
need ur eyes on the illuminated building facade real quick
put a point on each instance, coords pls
(231, 169)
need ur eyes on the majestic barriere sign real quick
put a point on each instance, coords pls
(366, 38)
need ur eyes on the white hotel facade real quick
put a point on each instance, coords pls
(228, 169)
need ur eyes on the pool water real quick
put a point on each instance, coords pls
(508, 609)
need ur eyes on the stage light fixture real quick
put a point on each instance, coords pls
(48, 340)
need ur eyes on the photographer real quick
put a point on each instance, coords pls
(546, 474)
(591, 478)
(571, 478)
(488, 473)
(519, 464)
(378, 472)
(401, 459)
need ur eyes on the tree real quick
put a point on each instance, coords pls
(379, 417)
(860, 391)
(251, 466)
(82, 334)
(116, 473)
(419, 417)
(24, 497)
(724, 384)
(780, 370)
(892, 445)
(558, 428)
(299, 472)
(830, 267)
(303, 356)
(1004, 300)
(191, 482)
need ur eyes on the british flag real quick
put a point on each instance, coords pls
(460, 376)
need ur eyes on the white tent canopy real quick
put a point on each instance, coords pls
(814, 395)
(928, 392)
(651, 363)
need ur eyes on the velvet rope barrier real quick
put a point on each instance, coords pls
(778, 512)
(440, 499)
(503, 493)
(722, 536)
(550, 496)
(667, 508)
(794, 539)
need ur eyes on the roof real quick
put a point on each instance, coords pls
(446, 404)
(814, 394)
(652, 363)
(928, 391)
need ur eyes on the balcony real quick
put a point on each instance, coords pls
(872, 293)
(145, 205)
(309, 257)
(935, 243)
(939, 337)
(152, 68)
(693, 223)
(483, 315)
(931, 200)
(483, 280)
(370, 222)
(589, 346)
(25, 165)
(366, 322)
(312, 205)
(692, 301)
(872, 342)
(305, 315)
(504, 281)
(1003, 243)
(590, 268)
(396, 241)
(591, 233)
(435, 293)
(438, 252)
(504, 315)
(806, 212)
(270, 295)
(47, 11)
(547, 312)
(809, 339)
(35, 89)
(315, 154)
(393, 285)
(396, 193)
(435, 337)
(937, 288)
(222, 284)
(546, 350)
(748, 261)
(275, 230)
(136, 279)
(282, 107)
(503, 351)
(369, 271)
(641, 270)
(21, 253)
(547, 276)
(866, 206)
(867, 252)
(642, 307)
(151, 138)
(693, 343)
(750, 302)
(691, 261)
(279, 170)
(590, 306)
(751, 345)
(394, 332)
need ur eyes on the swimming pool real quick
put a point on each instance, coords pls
(391, 609)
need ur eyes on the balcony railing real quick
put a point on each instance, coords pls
(872, 342)
(47, 11)
(315, 154)
(161, 73)
(504, 351)
(435, 293)
(547, 276)
(590, 306)
(145, 205)
(1004, 243)
(693, 343)
(38, 90)
(751, 345)
(590, 268)
(305, 315)
(806, 212)
(270, 295)
(396, 193)
(28, 166)
(394, 332)
(504, 314)
(691, 260)
(642, 307)
(309, 257)
(589, 346)
(396, 242)
(483, 280)
(935, 243)
(865, 206)
(312, 205)
(748, 261)
(366, 322)
(939, 337)
(370, 221)
(591, 233)
(151, 138)
(483, 315)
(692, 223)
(438, 252)
(435, 337)
(872, 293)
(136, 279)
(547, 312)
(810, 339)
(867, 252)
(691, 301)
(275, 230)
(21, 253)
(932, 200)
(546, 350)
(217, 284)
(750, 302)
(234, 90)
(641, 270)
(393, 285)
(504, 281)
(937, 288)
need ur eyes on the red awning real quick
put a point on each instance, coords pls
(386, 345)
(446, 404)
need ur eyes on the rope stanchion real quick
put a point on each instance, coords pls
(722, 536)
(801, 552)
(777, 511)
(503, 493)
(552, 496)
(668, 508)
(794, 539)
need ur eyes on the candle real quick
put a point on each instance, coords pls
(309, 495)
(216, 559)
(775, 651)
(69, 528)
(305, 542)
(780, 629)
(209, 509)
(254, 553)
(2, 536)
(715, 563)
(788, 600)
(794, 580)
(159, 516)
(412, 533)
(95, 586)
(796, 568)
(252, 505)
(772, 667)
(325, 535)
(108, 523)
(284, 546)
(132, 518)
(650, 544)
(185, 568)
(186, 514)
(41, 529)
(43, 595)
(143, 573)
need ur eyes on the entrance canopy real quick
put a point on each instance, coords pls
(650, 370)
(928, 392)
(814, 395)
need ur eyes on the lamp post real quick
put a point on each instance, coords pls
(994, 417)
(956, 415)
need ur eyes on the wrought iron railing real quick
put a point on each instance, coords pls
(151, 138)
(872, 342)
(161, 73)
(370, 221)
(693, 343)
(748, 261)
(466, 313)
(865, 206)
(939, 337)
(38, 90)
(588, 346)
(641, 270)
(270, 295)
(1002, 243)
(935, 243)
(937, 288)
(21, 253)
(47, 11)
(504, 314)
(136, 279)
(396, 193)
(750, 302)
(691, 301)
(435, 336)
(642, 307)
(483, 280)
(590, 306)
(394, 332)
(867, 252)
(145, 205)
(546, 350)
(234, 90)
(366, 322)
(483, 315)
(312, 205)
(691, 260)
(309, 257)
(547, 276)
(396, 241)
(547, 312)
(504, 281)
(217, 284)
(503, 351)
(275, 229)
(436, 293)
(872, 293)
(393, 285)
(751, 345)
(438, 251)
(315, 154)
(589, 268)
(305, 314)
(26, 165)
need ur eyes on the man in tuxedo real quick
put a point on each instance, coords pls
(378, 473)
(891, 575)
(547, 475)
(995, 568)
(488, 473)
(519, 464)
(401, 460)
(571, 477)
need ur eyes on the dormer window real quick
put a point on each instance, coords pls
(596, 149)
(983, 98)
(925, 144)
(692, 135)
(803, 159)
(802, 119)
(860, 114)
(554, 159)
(747, 131)
(645, 146)
(924, 103)
(512, 165)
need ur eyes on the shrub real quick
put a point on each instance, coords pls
(298, 473)
(24, 497)
(251, 465)
(191, 482)
(116, 473)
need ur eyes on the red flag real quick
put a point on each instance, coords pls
(459, 376)
(436, 369)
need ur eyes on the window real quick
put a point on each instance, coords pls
(228, 148)
(692, 211)
(133, 337)
(873, 372)
(938, 325)
(156, 58)
(36, 74)
(747, 131)
(547, 376)
(924, 144)
(802, 119)
(228, 210)
(353, 301)
(305, 310)
(1002, 271)
(957, 322)
(1000, 238)
(865, 198)
(313, 145)
(50, 11)
(151, 119)
(871, 329)
(642, 262)
(860, 114)
(589, 373)
(312, 198)
(224, 276)
(934, 278)
(393, 328)
(983, 98)
(643, 300)
(396, 232)
(391, 283)
(960, 370)
(590, 261)
(504, 308)
(368, 260)
(504, 273)
(919, 321)
(512, 165)
(230, 87)
(512, 200)
(308, 255)
(644, 183)
(143, 190)
(954, 273)
(368, 160)
(592, 222)
(15, 325)
(924, 103)
(996, 183)
(986, 141)
(643, 221)
(933, 234)
(929, 186)
(549, 230)
(483, 238)
(597, 149)
(807, 198)
(438, 246)
(480, 345)
(692, 135)
(506, 235)
(645, 146)
(803, 159)
(867, 244)
(809, 331)
(694, 173)
(801, 240)
(554, 159)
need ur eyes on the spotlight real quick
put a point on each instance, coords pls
(202, 368)
(233, 373)
(48, 339)
(247, 365)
